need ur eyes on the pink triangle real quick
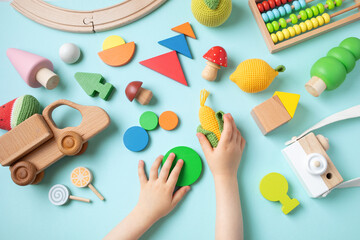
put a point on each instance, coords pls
(167, 64)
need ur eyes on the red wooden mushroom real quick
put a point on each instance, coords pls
(217, 58)
(142, 95)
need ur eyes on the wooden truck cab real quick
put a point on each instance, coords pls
(37, 143)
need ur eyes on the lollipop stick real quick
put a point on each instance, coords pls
(79, 199)
(95, 191)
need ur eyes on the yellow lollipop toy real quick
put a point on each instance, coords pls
(82, 177)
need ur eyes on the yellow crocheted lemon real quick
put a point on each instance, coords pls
(255, 75)
(211, 13)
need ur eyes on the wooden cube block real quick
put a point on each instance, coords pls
(270, 115)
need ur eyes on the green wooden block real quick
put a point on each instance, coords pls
(93, 83)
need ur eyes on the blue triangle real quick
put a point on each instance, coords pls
(177, 43)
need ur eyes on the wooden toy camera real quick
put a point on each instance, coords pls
(307, 157)
(37, 143)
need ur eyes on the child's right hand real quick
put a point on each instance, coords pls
(224, 160)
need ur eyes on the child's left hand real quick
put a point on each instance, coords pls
(156, 198)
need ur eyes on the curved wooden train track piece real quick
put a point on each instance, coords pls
(85, 21)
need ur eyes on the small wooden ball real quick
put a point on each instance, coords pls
(69, 53)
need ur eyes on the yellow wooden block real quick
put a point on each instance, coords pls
(274, 187)
(289, 100)
(112, 41)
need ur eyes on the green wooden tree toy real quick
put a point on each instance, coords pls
(330, 72)
(93, 83)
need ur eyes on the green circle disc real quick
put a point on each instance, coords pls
(148, 120)
(192, 167)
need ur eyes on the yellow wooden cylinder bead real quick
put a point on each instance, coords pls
(291, 31)
(280, 35)
(314, 22)
(326, 17)
(274, 37)
(286, 33)
(303, 27)
(309, 25)
(297, 29)
(320, 20)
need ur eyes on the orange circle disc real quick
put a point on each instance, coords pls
(168, 120)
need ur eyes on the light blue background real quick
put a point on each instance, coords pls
(26, 213)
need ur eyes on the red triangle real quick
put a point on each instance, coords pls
(167, 64)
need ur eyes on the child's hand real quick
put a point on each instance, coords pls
(224, 160)
(156, 198)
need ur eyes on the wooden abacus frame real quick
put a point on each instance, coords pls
(273, 48)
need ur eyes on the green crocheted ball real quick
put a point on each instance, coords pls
(211, 13)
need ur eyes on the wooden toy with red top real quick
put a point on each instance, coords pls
(217, 58)
(37, 143)
(135, 91)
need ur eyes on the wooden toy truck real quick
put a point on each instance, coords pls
(37, 143)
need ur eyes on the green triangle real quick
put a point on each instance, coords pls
(92, 83)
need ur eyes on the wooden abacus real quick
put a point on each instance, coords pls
(278, 36)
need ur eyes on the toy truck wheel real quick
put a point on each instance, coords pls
(23, 173)
(70, 143)
(39, 177)
(83, 149)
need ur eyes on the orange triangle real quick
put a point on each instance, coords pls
(185, 29)
(167, 64)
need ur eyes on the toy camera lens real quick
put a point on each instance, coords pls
(316, 164)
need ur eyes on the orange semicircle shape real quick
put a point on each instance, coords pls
(119, 55)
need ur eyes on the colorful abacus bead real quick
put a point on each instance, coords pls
(274, 26)
(308, 13)
(270, 4)
(281, 11)
(300, 28)
(276, 13)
